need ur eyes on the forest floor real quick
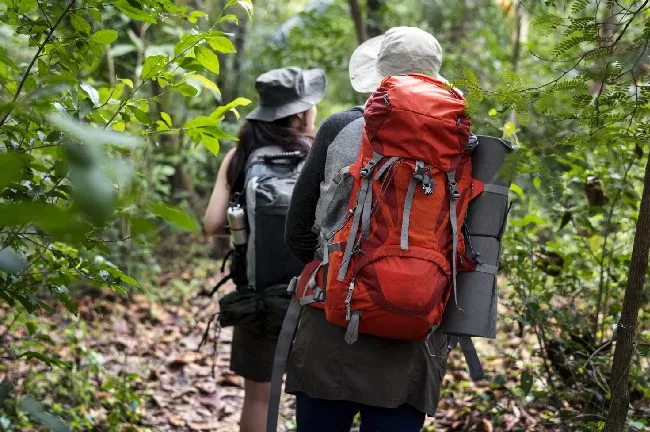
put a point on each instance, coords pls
(154, 338)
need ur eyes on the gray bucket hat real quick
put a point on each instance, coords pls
(401, 50)
(287, 91)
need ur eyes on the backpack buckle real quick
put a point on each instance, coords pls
(453, 186)
(423, 175)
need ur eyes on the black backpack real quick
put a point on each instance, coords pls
(262, 268)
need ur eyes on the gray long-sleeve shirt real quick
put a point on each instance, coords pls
(373, 371)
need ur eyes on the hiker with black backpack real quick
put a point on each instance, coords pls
(378, 219)
(251, 198)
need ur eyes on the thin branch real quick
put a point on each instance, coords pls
(31, 64)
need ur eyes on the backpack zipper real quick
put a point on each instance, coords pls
(348, 299)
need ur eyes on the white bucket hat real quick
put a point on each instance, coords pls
(401, 50)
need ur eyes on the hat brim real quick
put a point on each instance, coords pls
(315, 88)
(362, 68)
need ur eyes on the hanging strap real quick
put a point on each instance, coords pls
(367, 209)
(352, 333)
(453, 198)
(487, 268)
(389, 163)
(317, 295)
(282, 351)
(366, 181)
(408, 203)
(471, 357)
(496, 189)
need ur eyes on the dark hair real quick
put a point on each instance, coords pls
(256, 134)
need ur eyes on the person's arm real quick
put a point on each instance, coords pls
(302, 210)
(214, 219)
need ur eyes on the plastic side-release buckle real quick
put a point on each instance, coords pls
(453, 186)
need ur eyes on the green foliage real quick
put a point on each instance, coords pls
(79, 182)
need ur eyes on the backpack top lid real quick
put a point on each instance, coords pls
(418, 117)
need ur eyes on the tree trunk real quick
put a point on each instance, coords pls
(357, 18)
(374, 27)
(240, 45)
(516, 49)
(182, 181)
(626, 331)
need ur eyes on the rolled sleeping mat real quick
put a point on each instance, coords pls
(476, 312)
(477, 296)
(487, 161)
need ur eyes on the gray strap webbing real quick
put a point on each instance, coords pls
(453, 197)
(487, 268)
(282, 351)
(496, 189)
(352, 238)
(305, 300)
(408, 203)
(389, 163)
(352, 333)
(367, 208)
(471, 357)
(361, 199)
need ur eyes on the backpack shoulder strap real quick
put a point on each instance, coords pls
(282, 352)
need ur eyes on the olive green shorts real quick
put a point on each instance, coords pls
(252, 354)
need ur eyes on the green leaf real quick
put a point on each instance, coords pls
(127, 82)
(80, 23)
(50, 361)
(211, 143)
(11, 167)
(69, 304)
(95, 14)
(185, 90)
(118, 274)
(167, 118)
(247, 5)
(161, 126)
(201, 121)
(10, 262)
(142, 116)
(25, 6)
(195, 15)
(134, 10)
(175, 216)
(32, 327)
(516, 189)
(526, 382)
(527, 220)
(230, 17)
(207, 58)
(38, 413)
(205, 82)
(152, 66)
(188, 41)
(222, 110)
(104, 37)
(90, 135)
(222, 44)
(92, 93)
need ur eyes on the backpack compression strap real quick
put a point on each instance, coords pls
(453, 198)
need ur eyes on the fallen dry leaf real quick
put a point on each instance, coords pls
(203, 426)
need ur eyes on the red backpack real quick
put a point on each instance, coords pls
(390, 266)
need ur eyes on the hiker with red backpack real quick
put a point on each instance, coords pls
(378, 219)
(251, 196)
